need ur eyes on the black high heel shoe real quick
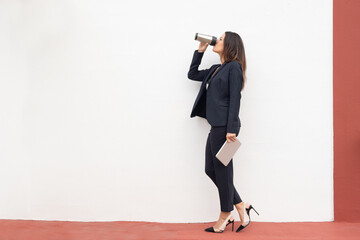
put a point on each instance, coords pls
(229, 221)
(241, 227)
(222, 227)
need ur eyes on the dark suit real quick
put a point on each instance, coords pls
(220, 103)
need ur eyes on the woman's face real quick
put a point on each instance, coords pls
(219, 46)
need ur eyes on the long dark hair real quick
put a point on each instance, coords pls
(234, 50)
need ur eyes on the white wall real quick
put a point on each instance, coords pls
(84, 84)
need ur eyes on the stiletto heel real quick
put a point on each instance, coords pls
(251, 207)
(248, 213)
(233, 221)
(230, 222)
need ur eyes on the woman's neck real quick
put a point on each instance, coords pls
(221, 59)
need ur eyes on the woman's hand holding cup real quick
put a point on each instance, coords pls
(202, 46)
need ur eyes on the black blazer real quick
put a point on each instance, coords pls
(220, 103)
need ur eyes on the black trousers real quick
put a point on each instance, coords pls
(221, 175)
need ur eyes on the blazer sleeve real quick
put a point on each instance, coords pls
(235, 85)
(194, 73)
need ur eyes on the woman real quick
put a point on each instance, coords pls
(219, 102)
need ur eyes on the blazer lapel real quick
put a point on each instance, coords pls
(211, 78)
(203, 84)
(203, 91)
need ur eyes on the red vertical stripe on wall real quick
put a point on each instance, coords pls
(346, 82)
